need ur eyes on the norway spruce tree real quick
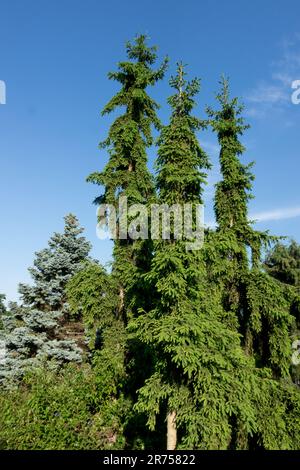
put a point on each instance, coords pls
(244, 283)
(40, 328)
(201, 377)
(257, 306)
(126, 177)
(126, 173)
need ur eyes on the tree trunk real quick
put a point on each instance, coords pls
(171, 431)
(121, 304)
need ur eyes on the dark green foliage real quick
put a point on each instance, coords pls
(277, 412)
(235, 234)
(181, 160)
(57, 411)
(283, 263)
(200, 335)
(269, 323)
(91, 292)
(126, 172)
(200, 370)
(232, 193)
(257, 305)
(92, 296)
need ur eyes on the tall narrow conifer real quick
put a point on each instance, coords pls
(126, 173)
(256, 305)
(200, 367)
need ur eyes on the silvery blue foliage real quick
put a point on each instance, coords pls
(34, 331)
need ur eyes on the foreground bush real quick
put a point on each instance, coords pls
(58, 411)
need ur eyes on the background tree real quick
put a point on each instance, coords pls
(40, 328)
(283, 263)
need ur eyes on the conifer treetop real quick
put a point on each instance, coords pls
(181, 160)
(234, 191)
(182, 101)
(135, 76)
(130, 134)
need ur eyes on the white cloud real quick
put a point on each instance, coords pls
(283, 77)
(269, 94)
(277, 214)
(275, 93)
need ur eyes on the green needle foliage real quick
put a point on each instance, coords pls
(201, 376)
(257, 306)
(93, 295)
(126, 173)
(177, 344)
(56, 411)
(283, 263)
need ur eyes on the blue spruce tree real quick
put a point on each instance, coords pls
(41, 329)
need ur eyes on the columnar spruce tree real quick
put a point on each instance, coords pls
(126, 176)
(126, 173)
(201, 376)
(235, 233)
(256, 305)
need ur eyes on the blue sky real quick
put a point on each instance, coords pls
(54, 59)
